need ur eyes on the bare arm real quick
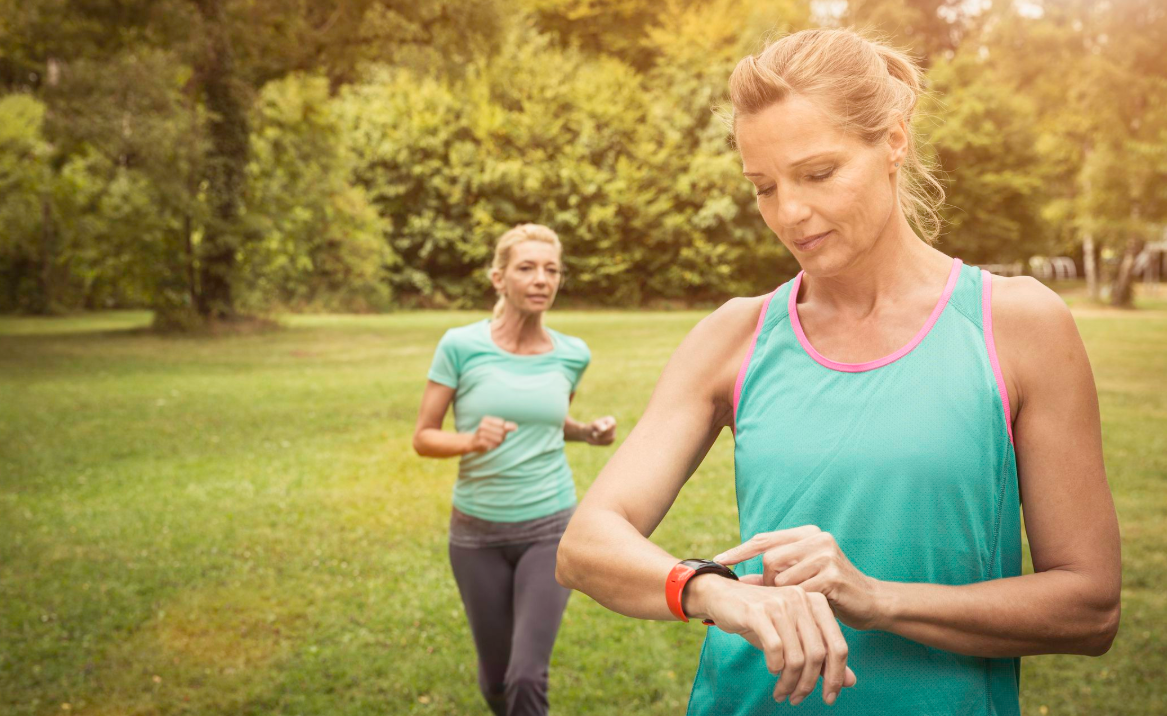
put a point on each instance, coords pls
(601, 431)
(638, 485)
(606, 552)
(429, 440)
(1071, 603)
(575, 431)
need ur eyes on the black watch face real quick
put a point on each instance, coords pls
(703, 566)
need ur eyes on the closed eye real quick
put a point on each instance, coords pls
(822, 176)
(765, 192)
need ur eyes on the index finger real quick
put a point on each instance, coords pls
(763, 541)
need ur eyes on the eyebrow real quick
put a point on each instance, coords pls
(804, 160)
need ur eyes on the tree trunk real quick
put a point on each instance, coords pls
(192, 279)
(1089, 251)
(48, 256)
(227, 162)
(1121, 292)
(1089, 266)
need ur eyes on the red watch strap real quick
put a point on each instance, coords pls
(674, 585)
(679, 575)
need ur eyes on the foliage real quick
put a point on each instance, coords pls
(319, 241)
(211, 157)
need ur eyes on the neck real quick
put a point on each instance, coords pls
(515, 330)
(897, 261)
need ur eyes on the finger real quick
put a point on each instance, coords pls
(792, 656)
(835, 666)
(815, 654)
(509, 426)
(849, 679)
(795, 574)
(500, 432)
(763, 541)
(777, 560)
(771, 644)
(751, 579)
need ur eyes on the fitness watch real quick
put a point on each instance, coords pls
(682, 573)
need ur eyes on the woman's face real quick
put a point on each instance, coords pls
(531, 278)
(826, 194)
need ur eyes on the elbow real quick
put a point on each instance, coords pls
(563, 571)
(419, 445)
(1104, 631)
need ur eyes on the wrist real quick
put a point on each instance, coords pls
(467, 443)
(700, 592)
(885, 606)
(572, 430)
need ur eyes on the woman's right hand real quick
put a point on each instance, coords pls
(490, 433)
(795, 629)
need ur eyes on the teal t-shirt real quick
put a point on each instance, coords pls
(527, 475)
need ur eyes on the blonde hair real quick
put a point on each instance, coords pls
(864, 85)
(511, 239)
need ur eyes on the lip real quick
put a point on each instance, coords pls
(813, 242)
(538, 298)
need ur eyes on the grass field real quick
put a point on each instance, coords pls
(239, 526)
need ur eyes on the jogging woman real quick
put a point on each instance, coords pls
(892, 408)
(510, 379)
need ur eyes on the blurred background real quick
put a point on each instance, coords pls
(218, 158)
(233, 231)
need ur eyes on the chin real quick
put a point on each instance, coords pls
(823, 264)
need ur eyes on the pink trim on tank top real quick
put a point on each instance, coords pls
(741, 372)
(991, 346)
(953, 274)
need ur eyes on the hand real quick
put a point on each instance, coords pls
(601, 431)
(810, 558)
(490, 433)
(795, 629)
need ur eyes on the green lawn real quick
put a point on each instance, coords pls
(238, 525)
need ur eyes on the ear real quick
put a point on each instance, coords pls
(897, 144)
(496, 280)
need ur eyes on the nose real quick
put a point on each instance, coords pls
(792, 210)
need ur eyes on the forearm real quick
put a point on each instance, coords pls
(573, 430)
(605, 557)
(434, 442)
(1056, 611)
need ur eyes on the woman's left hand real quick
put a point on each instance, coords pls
(810, 558)
(601, 431)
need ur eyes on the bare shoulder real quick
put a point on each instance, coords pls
(1026, 310)
(1037, 340)
(708, 358)
(725, 333)
(735, 317)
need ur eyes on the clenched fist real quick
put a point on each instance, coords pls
(490, 434)
(601, 431)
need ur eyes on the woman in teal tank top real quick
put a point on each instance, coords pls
(892, 408)
(510, 381)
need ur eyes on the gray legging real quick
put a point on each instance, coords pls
(514, 605)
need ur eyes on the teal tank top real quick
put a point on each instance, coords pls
(908, 462)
